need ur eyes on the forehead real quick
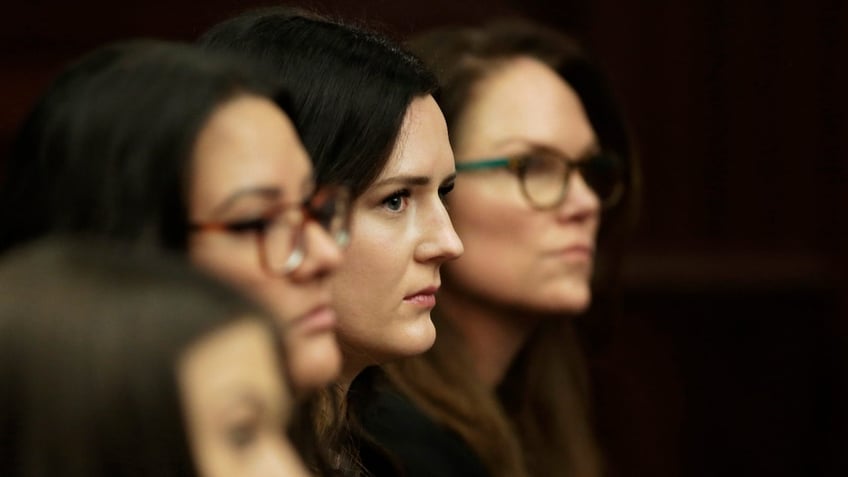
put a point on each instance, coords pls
(246, 142)
(236, 360)
(422, 147)
(524, 99)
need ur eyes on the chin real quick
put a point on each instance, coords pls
(567, 298)
(313, 362)
(415, 339)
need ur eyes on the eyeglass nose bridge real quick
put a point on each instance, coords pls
(295, 257)
(307, 212)
(299, 248)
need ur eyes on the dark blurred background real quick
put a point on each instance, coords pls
(730, 358)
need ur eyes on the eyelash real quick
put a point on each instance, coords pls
(445, 190)
(402, 194)
(257, 225)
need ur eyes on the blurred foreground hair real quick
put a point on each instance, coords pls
(90, 339)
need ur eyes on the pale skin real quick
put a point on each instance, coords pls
(237, 406)
(247, 160)
(521, 264)
(402, 234)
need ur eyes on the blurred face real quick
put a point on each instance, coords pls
(237, 407)
(248, 161)
(402, 234)
(516, 255)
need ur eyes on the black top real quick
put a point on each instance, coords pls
(419, 446)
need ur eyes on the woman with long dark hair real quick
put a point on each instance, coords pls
(365, 111)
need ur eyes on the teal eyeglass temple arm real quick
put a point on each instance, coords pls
(485, 164)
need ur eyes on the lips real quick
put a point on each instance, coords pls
(320, 319)
(425, 297)
(578, 248)
(580, 252)
(431, 290)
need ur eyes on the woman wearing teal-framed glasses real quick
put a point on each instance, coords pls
(545, 175)
(545, 180)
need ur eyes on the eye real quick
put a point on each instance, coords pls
(241, 435)
(446, 189)
(397, 201)
(258, 225)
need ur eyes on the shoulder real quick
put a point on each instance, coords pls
(420, 445)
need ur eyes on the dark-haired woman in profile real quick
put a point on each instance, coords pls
(132, 364)
(164, 145)
(545, 176)
(365, 112)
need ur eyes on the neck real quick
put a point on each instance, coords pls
(354, 363)
(493, 334)
(346, 378)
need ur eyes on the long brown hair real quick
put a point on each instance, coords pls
(539, 421)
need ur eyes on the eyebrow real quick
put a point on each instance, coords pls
(412, 181)
(267, 192)
(404, 180)
(254, 403)
(593, 147)
(252, 400)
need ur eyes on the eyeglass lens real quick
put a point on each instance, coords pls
(545, 177)
(284, 244)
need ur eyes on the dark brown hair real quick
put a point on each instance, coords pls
(539, 423)
(107, 150)
(350, 89)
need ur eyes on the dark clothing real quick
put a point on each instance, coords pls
(420, 446)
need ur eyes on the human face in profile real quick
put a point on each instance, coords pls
(402, 234)
(248, 161)
(519, 255)
(236, 404)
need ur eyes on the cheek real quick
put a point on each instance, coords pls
(217, 460)
(366, 288)
(208, 449)
(492, 220)
(239, 266)
(498, 253)
(379, 249)
(236, 263)
(368, 269)
(279, 460)
(504, 262)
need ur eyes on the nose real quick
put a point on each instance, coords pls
(581, 202)
(439, 243)
(323, 254)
